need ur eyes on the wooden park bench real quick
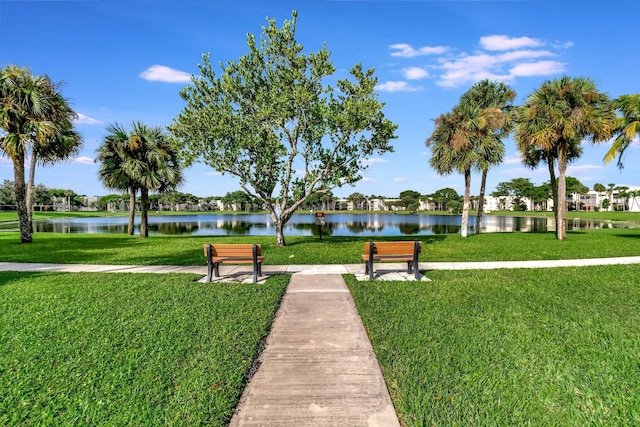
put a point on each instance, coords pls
(392, 252)
(234, 254)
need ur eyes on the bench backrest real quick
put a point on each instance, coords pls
(233, 250)
(393, 248)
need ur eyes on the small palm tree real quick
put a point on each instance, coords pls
(140, 160)
(493, 102)
(627, 128)
(559, 114)
(114, 155)
(452, 151)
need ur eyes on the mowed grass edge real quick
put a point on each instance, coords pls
(509, 347)
(187, 250)
(128, 349)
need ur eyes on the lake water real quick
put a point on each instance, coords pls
(304, 225)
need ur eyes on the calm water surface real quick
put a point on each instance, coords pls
(304, 224)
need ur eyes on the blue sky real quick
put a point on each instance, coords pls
(126, 60)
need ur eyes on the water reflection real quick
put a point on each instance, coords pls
(304, 225)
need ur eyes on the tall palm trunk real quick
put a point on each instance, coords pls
(132, 211)
(144, 212)
(30, 184)
(483, 186)
(465, 204)
(21, 198)
(554, 189)
(561, 230)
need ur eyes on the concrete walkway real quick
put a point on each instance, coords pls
(318, 367)
(227, 270)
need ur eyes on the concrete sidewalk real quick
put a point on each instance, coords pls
(318, 367)
(230, 270)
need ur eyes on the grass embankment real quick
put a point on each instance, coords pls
(509, 347)
(127, 349)
(187, 250)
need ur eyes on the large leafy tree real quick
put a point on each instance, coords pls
(270, 120)
(142, 159)
(492, 101)
(627, 128)
(36, 120)
(558, 115)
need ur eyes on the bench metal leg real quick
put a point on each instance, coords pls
(216, 269)
(209, 263)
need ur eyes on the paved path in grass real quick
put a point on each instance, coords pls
(230, 271)
(318, 367)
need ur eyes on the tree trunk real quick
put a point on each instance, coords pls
(30, 184)
(554, 190)
(465, 204)
(144, 210)
(483, 185)
(21, 196)
(561, 230)
(132, 211)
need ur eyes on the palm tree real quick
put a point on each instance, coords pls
(452, 151)
(114, 155)
(493, 99)
(35, 119)
(158, 167)
(141, 160)
(628, 126)
(63, 145)
(560, 113)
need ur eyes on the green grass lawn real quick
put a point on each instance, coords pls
(127, 349)
(557, 347)
(187, 250)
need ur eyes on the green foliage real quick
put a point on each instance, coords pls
(552, 124)
(627, 126)
(34, 118)
(128, 349)
(144, 160)
(509, 347)
(7, 194)
(270, 114)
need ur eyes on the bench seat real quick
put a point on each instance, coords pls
(392, 252)
(217, 254)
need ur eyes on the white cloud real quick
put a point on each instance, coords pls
(162, 73)
(501, 42)
(84, 119)
(396, 87)
(582, 169)
(369, 162)
(512, 160)
(399, 179)
(541, 68)
(523, 54)
(501, 58)
(407, 51)
(365, 179)
(415, 73)
(520, 172)
(212, 173)
(83, 160)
